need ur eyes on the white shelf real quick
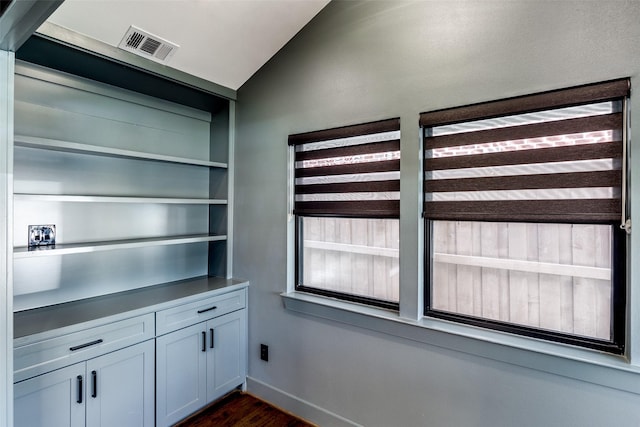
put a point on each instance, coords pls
(78, 248)
(74, 147)
(115, 199)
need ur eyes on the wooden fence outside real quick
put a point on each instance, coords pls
(354, 256)
(551, 276)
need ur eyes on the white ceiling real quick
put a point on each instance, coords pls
(223, 41)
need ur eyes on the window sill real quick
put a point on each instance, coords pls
(559, 359)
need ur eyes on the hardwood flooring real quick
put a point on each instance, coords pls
(239, 409)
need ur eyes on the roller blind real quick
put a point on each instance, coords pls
(550, 157)
(351, 171)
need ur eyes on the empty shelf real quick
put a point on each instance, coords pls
(116, 199)
(77, 248)
(74, 147)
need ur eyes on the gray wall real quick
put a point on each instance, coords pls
(364, 61)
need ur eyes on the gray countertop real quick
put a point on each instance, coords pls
(138, 301)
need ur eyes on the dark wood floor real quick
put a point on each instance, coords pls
(239, 409)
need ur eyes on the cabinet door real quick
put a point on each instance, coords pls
(56, 399)
(120, 388)
(226, 361)
(180, 374)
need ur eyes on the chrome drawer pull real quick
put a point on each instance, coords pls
(89, 344)
(207, 309)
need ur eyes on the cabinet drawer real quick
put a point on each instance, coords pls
(185, 315)
(48, 354)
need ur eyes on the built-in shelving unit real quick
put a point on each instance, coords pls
(138, 188)
(136, 174)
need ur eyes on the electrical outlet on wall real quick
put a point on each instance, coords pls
(264, 352)
(42, 235)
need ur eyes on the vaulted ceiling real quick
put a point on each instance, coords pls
(222, 41)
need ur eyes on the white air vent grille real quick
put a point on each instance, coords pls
(134, 39)
(147, 45)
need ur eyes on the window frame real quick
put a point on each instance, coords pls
(361, 129)
(535, 102)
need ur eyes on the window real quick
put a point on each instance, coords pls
(523, 201)
(347, 191)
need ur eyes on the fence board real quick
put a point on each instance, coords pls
(360, 263)
(518, 307)
(343, 235)
(491, 280)
(565, 256)
(441, 286)
(332, 258)
(379, 271)
(393, 265)
(583, 239)
(476, 249)
(603, 288)
(549, 284)
(313, 273)
(533, 280)
(453, 270)
(464, 288)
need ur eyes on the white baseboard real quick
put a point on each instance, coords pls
(297, 406)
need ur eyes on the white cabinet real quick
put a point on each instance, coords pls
(40, 356)
(55, 398)
(116, 389)
(198, 363)
(226, 358)
(76, 367)
(181, 374)
(120, 388)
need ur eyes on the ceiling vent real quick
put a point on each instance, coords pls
(147, 45)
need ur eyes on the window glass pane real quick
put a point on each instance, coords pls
(554, 277)
(354, 256)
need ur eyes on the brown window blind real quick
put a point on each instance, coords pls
(549, 157)
(352, 171)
